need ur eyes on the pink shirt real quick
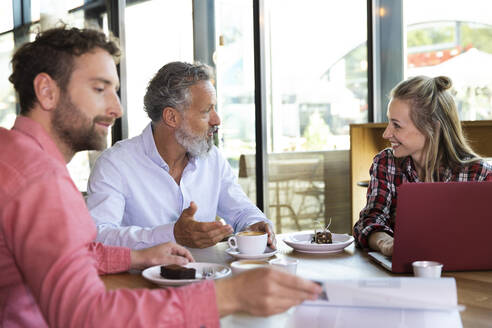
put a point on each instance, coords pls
(49, 266)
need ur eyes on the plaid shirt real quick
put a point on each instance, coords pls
(388, 172)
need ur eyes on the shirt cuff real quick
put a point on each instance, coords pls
(249, 223)
(164, 233)
(111, 259)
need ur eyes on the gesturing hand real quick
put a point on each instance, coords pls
(191, 233)
(167, 253)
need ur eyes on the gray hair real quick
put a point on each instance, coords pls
(170, 87)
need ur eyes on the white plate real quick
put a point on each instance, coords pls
(153, 274)
(301, 242)
(268, 253)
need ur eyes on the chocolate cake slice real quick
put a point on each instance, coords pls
(174, 271)
(322, 237)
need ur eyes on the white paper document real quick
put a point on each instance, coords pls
(382, 302)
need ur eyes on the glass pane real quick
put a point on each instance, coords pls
(164, 35)
(36, 10)
(56, 9)
(53, 11)
(235, 88)
(317, 87)
(6, 16)
(457, 43)
(7, 92)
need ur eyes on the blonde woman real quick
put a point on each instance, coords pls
(427, 145)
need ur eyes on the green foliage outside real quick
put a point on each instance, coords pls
(429, 36)
(479, 37)
(316, 133)
(472, 35)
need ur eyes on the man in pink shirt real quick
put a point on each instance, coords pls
(67, 85)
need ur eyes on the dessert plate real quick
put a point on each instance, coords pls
(153, 274)
(301, 242)
(268, 253)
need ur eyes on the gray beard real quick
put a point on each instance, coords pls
(195, 145)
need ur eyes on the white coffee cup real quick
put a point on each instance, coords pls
(427, 269)
(285, 264)
(249, 242)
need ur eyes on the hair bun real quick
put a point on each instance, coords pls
(443, 82)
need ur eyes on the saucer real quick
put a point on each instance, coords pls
(153, 274)
(268, 253)
(301, 242)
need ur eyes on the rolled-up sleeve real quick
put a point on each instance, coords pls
(234, 206)
(381, 193)
(50, 233)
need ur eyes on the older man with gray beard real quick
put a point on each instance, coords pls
(170, 182)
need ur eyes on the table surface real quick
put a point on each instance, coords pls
(474, 287)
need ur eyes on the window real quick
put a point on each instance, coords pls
(165, 35)
(316, 86)
(318, 82)
(51, 13)
(316, 60)
(235, 85)
(457, 43)
(7, 19)
(7, 93)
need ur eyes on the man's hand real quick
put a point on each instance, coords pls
(381, 241)
(263, 292)
(264, 227)
(191, 233)
(167, 253)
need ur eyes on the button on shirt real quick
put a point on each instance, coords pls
(387, 173)
(135, 202)
(48, 263)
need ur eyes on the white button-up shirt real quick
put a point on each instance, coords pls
(135, 202)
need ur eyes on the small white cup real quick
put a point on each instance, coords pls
(427, 269)
(285, 264)
(249, 242)
(243, 265)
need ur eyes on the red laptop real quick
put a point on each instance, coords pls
(450, 223)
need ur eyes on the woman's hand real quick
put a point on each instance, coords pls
(381, 241)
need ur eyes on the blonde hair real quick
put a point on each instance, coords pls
(434, 113)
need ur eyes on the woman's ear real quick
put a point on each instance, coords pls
(171, 117)
(47, 91)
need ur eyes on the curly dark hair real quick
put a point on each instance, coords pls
(53, 52)
(170, 87)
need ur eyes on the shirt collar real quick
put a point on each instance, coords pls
(409, 167)
(34, 130)
(445, 173)
(150, 148)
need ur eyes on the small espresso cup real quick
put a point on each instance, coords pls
(249, 242)
(285, 264)
(427, 269)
